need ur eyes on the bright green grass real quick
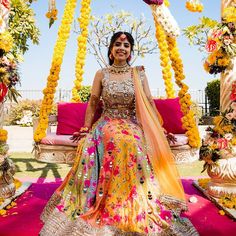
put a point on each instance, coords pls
(27, 166)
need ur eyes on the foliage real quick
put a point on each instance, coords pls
(212, 91)
(22, 27)
(102, 28)
(197, 34)
(85, 93)
(22, 112)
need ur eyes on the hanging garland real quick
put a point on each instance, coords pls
(165, 60)
(52, 12)
(84, 18)
(59, 49)
(194, 5)
(188, 120)
(169, 52)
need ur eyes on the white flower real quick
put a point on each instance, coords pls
(193, 199)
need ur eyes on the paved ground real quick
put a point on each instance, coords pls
(20, 139)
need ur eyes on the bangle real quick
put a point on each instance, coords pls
(84, 129)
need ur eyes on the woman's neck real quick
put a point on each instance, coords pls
(119, 63)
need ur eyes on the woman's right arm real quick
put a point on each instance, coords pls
(94, 99)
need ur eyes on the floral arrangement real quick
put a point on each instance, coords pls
(59, 49)
(221, 138)
(6, 42)
(221, 45)
(84, 18)
(3, 137)
(52, 12)
(194, 5)
(9, 77)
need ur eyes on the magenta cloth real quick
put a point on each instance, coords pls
(171, 114)
(203, 214)
(71, 116)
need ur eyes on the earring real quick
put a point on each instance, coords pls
(111, 56)
(129, 58)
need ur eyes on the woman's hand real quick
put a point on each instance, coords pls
(80, 134)
(171, 138)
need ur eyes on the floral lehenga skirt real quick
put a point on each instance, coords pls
(111, 189)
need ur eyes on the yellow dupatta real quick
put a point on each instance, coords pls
(160, 154)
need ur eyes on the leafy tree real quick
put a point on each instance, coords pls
(213, 94)
(22, 27)
(102, 28)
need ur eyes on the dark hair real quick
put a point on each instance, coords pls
(114, 37)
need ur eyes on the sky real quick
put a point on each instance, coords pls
(37, 60)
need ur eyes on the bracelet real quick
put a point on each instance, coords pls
(84, 129)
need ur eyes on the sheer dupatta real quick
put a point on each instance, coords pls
(159, 151)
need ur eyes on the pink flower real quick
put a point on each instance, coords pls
(110, 146)
(140, 216)
(91, 150)
(222, 143)
(165, 215)
(125, 132)
(116, 171)
(136, 136)
(87, 183)
(91, 163)
(117, 218)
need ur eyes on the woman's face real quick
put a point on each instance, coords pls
(121, 49)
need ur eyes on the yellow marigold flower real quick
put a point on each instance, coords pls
(221, 212)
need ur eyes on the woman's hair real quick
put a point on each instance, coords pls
(114, 37)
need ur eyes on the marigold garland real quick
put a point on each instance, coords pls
(3, 135)
(81, 53)
(59, 49)
(188, 120)
(194, 6)
(165, 60)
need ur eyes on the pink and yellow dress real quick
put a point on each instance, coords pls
(112, 187)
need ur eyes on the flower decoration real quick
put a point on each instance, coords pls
(194, 5)
(157, 2)
(9, 78)
(82, 44)
(58, 53)
(221, 46)
(221, 138)
(3, 136)
(52, 12)
(6, 42)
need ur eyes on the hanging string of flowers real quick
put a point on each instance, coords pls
(84, 18)
(165, 60)
(59, 49)
(188, 120)
(52, 12)
(194, 5)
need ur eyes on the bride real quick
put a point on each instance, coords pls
(123, 180)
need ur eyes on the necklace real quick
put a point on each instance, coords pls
(115, 69)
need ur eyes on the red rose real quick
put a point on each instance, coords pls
(211, 45)
(3, 91)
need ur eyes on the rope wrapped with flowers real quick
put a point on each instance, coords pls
(84, 18)
(59, 49)
(169, 53)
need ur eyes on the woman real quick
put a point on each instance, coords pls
(123, 180)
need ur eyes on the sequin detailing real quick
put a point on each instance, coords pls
(118, 97)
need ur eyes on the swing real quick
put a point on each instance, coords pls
(57, 147)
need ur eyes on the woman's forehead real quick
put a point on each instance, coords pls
(122, 40)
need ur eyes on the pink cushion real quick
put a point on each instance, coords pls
(71, 117)
(54, 139)
(171, 114)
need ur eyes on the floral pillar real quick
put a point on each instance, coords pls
(229, 75)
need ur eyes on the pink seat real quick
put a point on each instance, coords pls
(54, 139)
